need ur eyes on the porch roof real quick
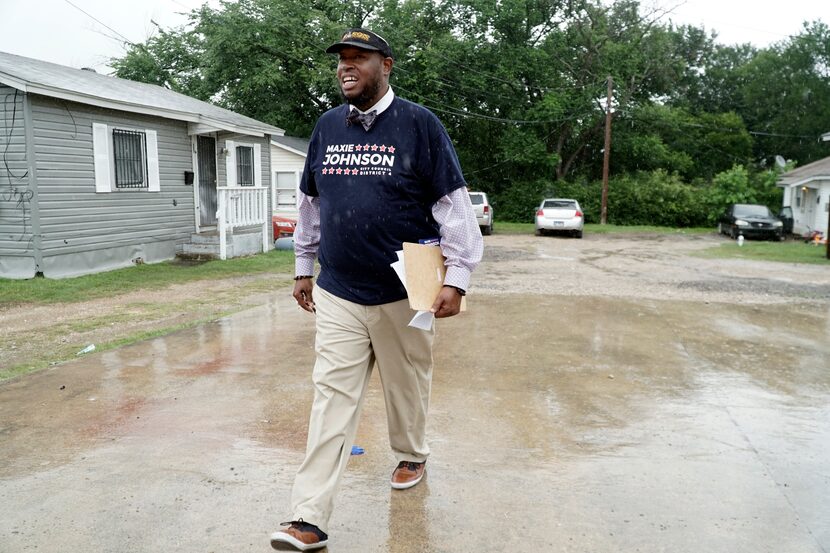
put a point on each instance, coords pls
(293, 144)
(817, 170)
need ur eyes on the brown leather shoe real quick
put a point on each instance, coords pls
(408, 474)
(299, 536)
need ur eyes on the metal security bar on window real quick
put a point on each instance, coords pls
(244, 166)
(130, 156)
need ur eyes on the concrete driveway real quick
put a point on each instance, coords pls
(567, 416)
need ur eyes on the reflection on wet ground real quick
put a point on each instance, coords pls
(557, 424)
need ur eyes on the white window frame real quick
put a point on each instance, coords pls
(104, 159)
(276, 206)
(230, 163)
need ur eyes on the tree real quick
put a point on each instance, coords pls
(261, 58)
(786, 93)
(519, 84)
(778, 92)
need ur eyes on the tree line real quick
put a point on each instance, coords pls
(520, 86)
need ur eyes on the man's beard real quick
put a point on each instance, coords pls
(366, 98)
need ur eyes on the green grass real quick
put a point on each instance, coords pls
(594, 228)
(791, 251)
(140, 277)
(527, 228)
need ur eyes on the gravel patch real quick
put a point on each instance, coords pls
(641, 266)
(763, 287)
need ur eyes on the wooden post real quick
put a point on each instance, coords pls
(267, 242)
(221, 221)
(606, 158)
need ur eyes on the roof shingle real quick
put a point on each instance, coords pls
(88, 87)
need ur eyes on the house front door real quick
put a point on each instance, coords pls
(810, 199)
(206, 153)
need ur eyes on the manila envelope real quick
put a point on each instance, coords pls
(424, 275)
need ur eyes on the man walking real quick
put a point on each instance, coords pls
(380, 171)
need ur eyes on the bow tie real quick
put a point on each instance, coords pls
(365, 119)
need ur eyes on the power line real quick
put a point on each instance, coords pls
(128, 41)
(642, 119)
(759, 133)
(470, 173)
(448, 109)
(443, 82)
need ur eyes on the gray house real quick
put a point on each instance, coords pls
(98, 173)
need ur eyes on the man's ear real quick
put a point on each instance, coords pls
(387, 66)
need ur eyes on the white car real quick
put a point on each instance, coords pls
(484, 212)
(559, 215)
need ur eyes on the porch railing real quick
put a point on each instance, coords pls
(241, 206)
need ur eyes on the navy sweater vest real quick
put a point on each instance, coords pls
(376, 191)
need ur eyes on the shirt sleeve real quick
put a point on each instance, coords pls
(461, 241)
(306, 235)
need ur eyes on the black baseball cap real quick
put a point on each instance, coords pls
(361, 38)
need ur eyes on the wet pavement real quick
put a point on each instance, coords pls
(591, 424)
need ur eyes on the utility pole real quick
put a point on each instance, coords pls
(606, 158)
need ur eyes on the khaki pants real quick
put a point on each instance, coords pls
(350, 338)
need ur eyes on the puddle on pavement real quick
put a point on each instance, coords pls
(580, 403)
(570, 365)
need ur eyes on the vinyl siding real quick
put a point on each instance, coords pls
(74, 218)
(283, 160)
(15, 194)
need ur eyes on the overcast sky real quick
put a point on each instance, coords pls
(59, 31)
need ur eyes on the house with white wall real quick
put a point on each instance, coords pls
(288, 155)
(807, 192)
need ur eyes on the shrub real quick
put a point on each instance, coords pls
(647, 197)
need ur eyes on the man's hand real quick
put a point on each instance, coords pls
(302, 293)
(447, 304)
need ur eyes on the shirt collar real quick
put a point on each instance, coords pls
(382, 104)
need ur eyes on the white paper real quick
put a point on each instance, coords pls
(400, 268)
(422, 320)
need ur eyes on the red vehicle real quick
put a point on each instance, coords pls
(283, 226)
